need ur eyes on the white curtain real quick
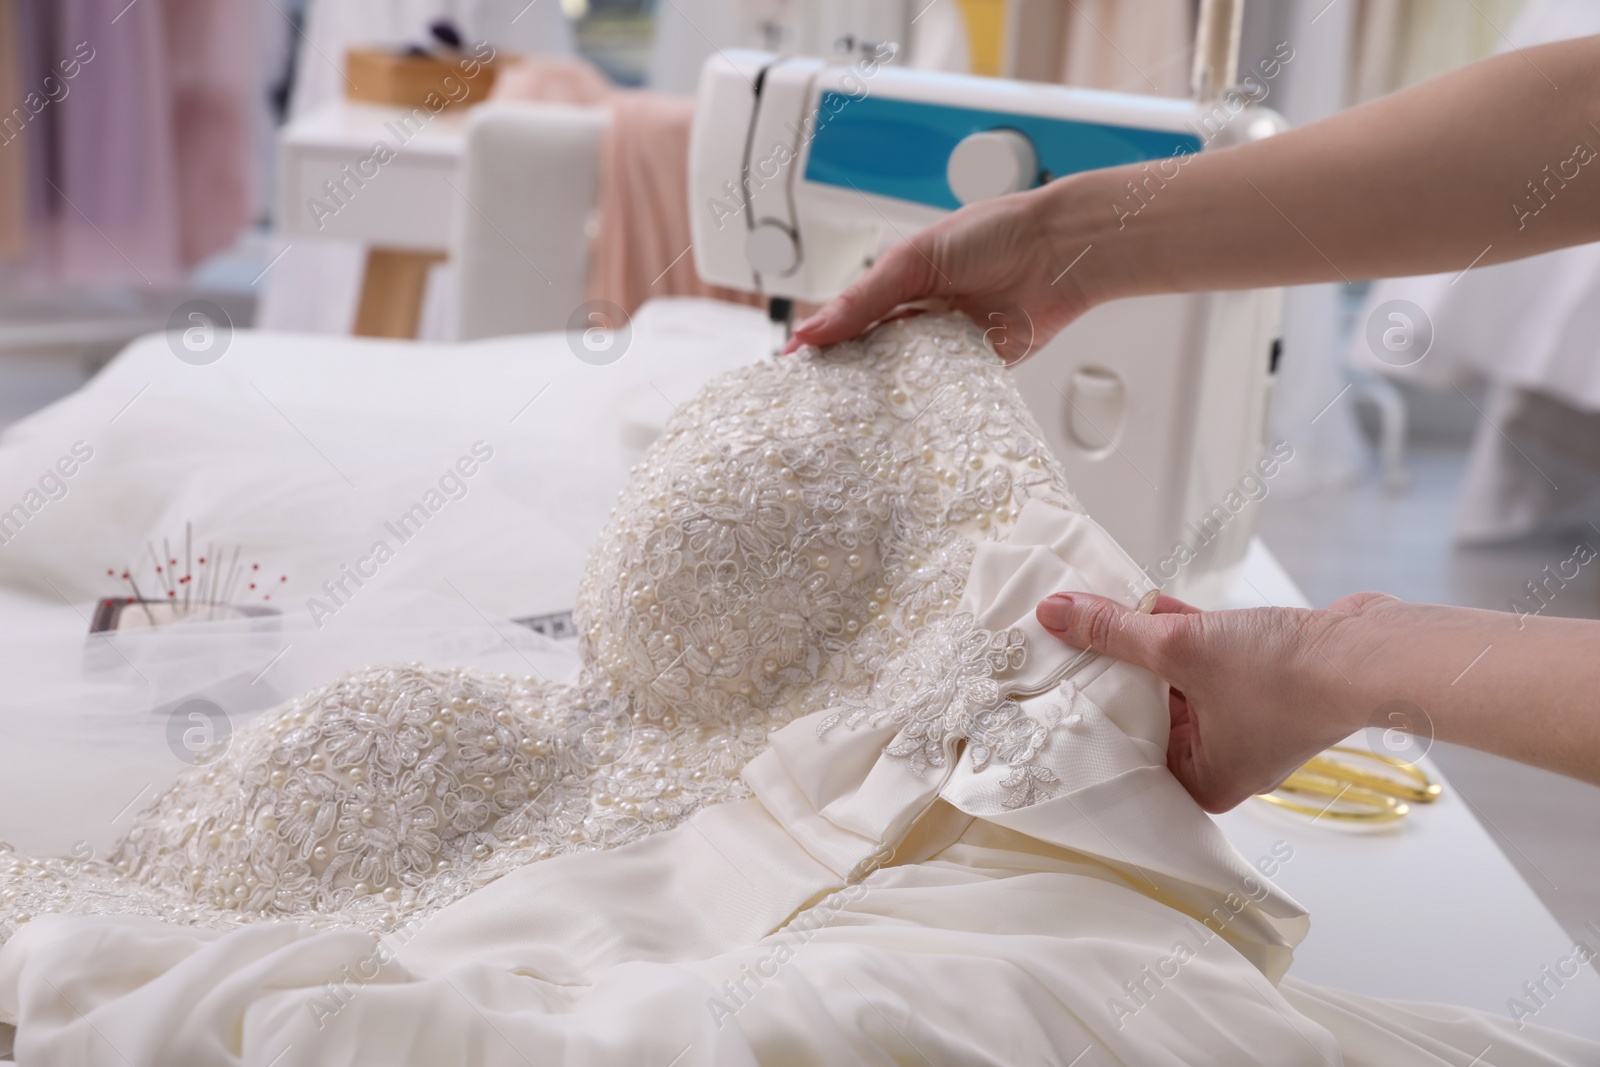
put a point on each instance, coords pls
(1328, 448)
(1528, 328)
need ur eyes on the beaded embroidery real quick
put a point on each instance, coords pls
(802, 528)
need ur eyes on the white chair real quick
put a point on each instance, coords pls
(520, 247)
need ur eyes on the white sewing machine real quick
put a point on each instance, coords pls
(803, 170)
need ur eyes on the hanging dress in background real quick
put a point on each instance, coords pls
(137, 140)
(13, 168)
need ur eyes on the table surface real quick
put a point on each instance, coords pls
(345, 125)
(1430, 909)
(402, 196)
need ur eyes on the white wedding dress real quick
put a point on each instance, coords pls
(824, 793)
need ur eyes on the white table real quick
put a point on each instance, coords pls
(386, 177)
(1428, 910)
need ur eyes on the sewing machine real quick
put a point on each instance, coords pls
(804, 170)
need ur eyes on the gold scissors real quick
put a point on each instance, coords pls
(1380, 793)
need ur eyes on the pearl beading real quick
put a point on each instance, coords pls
(800, 527)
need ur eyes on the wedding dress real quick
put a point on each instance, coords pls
(824, 792)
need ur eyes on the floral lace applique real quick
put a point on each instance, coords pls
(802, 528)
(943, 689)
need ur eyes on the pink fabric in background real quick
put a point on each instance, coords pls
(146, 165)
(13, 156)
(213, 79)
(109, 190)
(642, 247)
(551, 80)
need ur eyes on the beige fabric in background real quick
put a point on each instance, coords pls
(1402, 42)
(1130, 46)
(13, 168)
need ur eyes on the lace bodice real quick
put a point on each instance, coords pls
(790, 534)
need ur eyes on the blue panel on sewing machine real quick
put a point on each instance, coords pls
(899, 148)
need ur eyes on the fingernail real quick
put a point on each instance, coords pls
(809, 324)
(1055, 612)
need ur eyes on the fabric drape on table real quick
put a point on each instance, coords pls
(552, 80)
(642, 247)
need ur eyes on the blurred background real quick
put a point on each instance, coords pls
(154, 150)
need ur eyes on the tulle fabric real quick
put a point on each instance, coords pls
(861, 907)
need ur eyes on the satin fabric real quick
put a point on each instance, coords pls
(853, 912)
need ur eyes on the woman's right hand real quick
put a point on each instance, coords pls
(1254, 693)
(1257, 692)
(994, 260)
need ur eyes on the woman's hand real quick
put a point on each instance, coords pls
(993, 260)
(1255, 693)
